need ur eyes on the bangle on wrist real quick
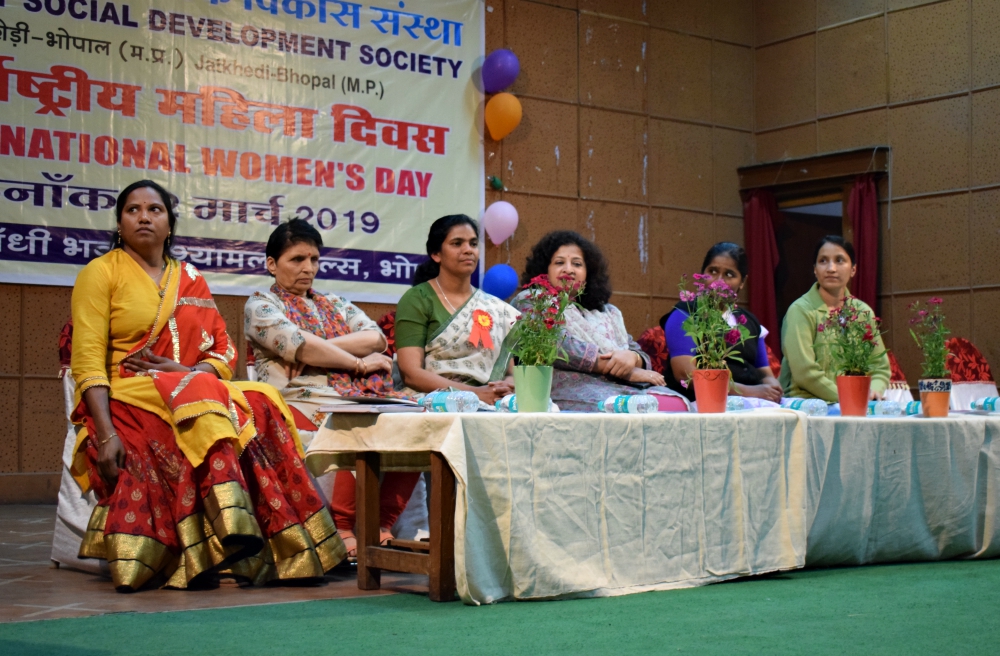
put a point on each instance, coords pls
(110, 437)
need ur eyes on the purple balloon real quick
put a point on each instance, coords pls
(500, 70)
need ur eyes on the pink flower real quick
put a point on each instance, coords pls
(684, 384)
(701, 276)
(733, 336)
(935, 300)
(718, 285)
(922, 313)
(742, 319)
(820, 328)
(686, 295)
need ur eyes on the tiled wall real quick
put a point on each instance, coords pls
(924, 78)
(637, 114)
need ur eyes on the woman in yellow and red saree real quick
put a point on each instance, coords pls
(196, 476)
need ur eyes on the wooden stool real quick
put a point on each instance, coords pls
(436, 558)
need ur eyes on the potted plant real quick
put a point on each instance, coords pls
(537, 336)
(850, 334)
(929, 332)
(716, 334)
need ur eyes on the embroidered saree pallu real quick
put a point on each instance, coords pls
(213, 482)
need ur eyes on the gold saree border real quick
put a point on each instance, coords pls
(92, 545)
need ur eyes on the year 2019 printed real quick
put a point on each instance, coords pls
(327, 219)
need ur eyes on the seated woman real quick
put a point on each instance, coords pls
(727, 262)
(435, 320)
(195, 476)
(602, 360)
(807, 370)
(319, 349)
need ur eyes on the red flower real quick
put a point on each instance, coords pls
(742, 319)
(733, 336)
(935, 300)
(820, 328)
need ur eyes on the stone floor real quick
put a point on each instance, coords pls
(31, 588)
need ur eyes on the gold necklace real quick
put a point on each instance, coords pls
(443, 295)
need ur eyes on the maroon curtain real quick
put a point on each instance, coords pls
(760, 211)
(862, 207)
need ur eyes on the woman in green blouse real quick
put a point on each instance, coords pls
(806, 369)
(448, 333)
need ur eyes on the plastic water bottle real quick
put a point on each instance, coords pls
(884, 409)
(913, 408)
(735, 404)
(451, 402)
(986, 404)
(509, 404)
(636, 403)
(812, 407)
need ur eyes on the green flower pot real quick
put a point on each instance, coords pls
(533, 386)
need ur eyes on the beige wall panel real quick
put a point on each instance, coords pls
(630, 9)
(231, 309)
(986, 137)
(10, 337)
(850, 68)
(957, 309)
(494, 25)
(677, 243)
(538, 216)
(46, 310)
(799, 141)
(617, 229)
(541, 155)
(493, 154)
(731, 150)
(985, 332)
(565, 4)
(985, 43)
(732, 20)
(544, 39)
(894, 5)
(728, 228)
(930, 143)
(10, 410)
(680, 164)
(854, 131)
(612, 155)
(690, 16)
(930, 238)
(680, 76)
(831, 13)
(929, 51)
(732, 86)
(44, 419)
(635, 311)
(658, 307)
(612, 63)
(985, 228)
(785, 83)
(775, 20)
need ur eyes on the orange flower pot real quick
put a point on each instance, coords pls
(935, 396)
(711, 387)
(853, 394)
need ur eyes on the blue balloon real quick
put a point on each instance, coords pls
(500, 280)
(500, 70)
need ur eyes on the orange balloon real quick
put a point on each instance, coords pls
(503, 114)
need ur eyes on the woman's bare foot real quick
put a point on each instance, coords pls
(351, 543)
(384, 535)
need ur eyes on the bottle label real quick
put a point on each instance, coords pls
(797, 404)
(621, 404)
(990, 404)
(871, 408)
(913, 408)
(439, 402)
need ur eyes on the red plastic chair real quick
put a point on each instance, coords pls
(971, 376)
(899, 389)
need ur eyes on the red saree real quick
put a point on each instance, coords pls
(213, 482)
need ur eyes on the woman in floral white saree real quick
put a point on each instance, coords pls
(195, 476)
(448, 333)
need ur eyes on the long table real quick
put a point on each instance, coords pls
(550, 506)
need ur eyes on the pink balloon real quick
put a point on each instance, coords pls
(500, 221)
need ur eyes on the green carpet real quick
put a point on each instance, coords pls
(892, 609)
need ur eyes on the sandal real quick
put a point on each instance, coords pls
(351, 543)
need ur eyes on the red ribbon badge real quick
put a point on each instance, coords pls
(482, 322)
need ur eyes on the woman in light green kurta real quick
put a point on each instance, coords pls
(807, 369)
